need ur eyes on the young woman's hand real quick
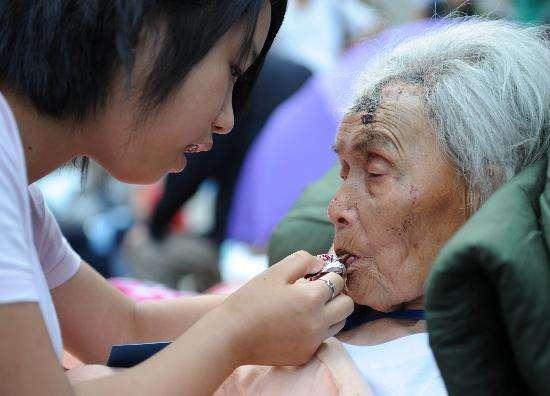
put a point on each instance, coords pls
(280, 319)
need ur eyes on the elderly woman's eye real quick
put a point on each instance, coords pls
(374, 174)
(376, 171)
(376, 167)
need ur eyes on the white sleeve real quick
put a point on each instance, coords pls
(59, 261)
(16, 246)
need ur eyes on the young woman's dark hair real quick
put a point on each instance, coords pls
(62, 55)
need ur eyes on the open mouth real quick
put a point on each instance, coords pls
(346, 258)
(197, 148)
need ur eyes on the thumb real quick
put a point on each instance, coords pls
(296, 266)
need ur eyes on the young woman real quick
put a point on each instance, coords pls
(133, 85)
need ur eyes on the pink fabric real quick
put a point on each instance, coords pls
(139, 290)
(224, 288)
(331, 372)
(312, 378)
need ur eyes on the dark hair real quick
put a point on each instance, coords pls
(62, 54)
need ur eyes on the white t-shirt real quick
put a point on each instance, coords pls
(401, 367)
(34, 255)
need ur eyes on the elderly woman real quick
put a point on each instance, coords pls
(442, 122)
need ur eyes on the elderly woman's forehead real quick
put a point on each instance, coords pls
(398, 104)
(351, 127)
(400, 100)
(352, 120)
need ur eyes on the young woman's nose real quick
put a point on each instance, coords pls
(225, 120)
(341, 209)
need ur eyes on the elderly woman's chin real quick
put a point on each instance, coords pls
(366, 286)
(392, 277)
(365, 291)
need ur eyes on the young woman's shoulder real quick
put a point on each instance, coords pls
(58, 260)
(12, 161)
(16, 272)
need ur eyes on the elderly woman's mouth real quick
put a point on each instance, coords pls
(346, 258)
(350, 260)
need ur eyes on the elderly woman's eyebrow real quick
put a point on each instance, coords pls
(368, 141)
(372, 140)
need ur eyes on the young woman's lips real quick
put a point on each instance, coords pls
(197, 148)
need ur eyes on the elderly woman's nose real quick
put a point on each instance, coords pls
(340, 211)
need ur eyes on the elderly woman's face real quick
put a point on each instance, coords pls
(398, 203)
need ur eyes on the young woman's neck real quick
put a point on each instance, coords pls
(47, 143)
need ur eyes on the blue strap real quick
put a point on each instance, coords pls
(363, 315)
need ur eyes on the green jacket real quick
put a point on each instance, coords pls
(488, 295)
(306, 226)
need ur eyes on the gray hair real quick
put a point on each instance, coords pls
(486, 88)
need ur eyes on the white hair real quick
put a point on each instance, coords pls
(486, 88)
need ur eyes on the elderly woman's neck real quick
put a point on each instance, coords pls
(382, 330)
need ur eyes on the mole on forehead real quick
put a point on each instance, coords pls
(366, 110)
(366, 122)
(355, 122)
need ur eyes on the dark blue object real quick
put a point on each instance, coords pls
(129, 355)
(363, 314)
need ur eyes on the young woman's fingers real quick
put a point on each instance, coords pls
(331, 285)
(296, 266)
(338, 309)
(336, 328)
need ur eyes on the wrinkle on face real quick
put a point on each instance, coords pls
(365, 137)
(396, 221)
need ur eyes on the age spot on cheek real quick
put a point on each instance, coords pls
(407, 229)
(413, 194)
(407, 224)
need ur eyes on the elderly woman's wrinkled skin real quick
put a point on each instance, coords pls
(399, 201)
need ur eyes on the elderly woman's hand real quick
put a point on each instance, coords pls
(280, 319)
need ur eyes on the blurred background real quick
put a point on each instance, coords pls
(207, 228)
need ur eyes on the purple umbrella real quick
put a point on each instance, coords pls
(294, 148)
